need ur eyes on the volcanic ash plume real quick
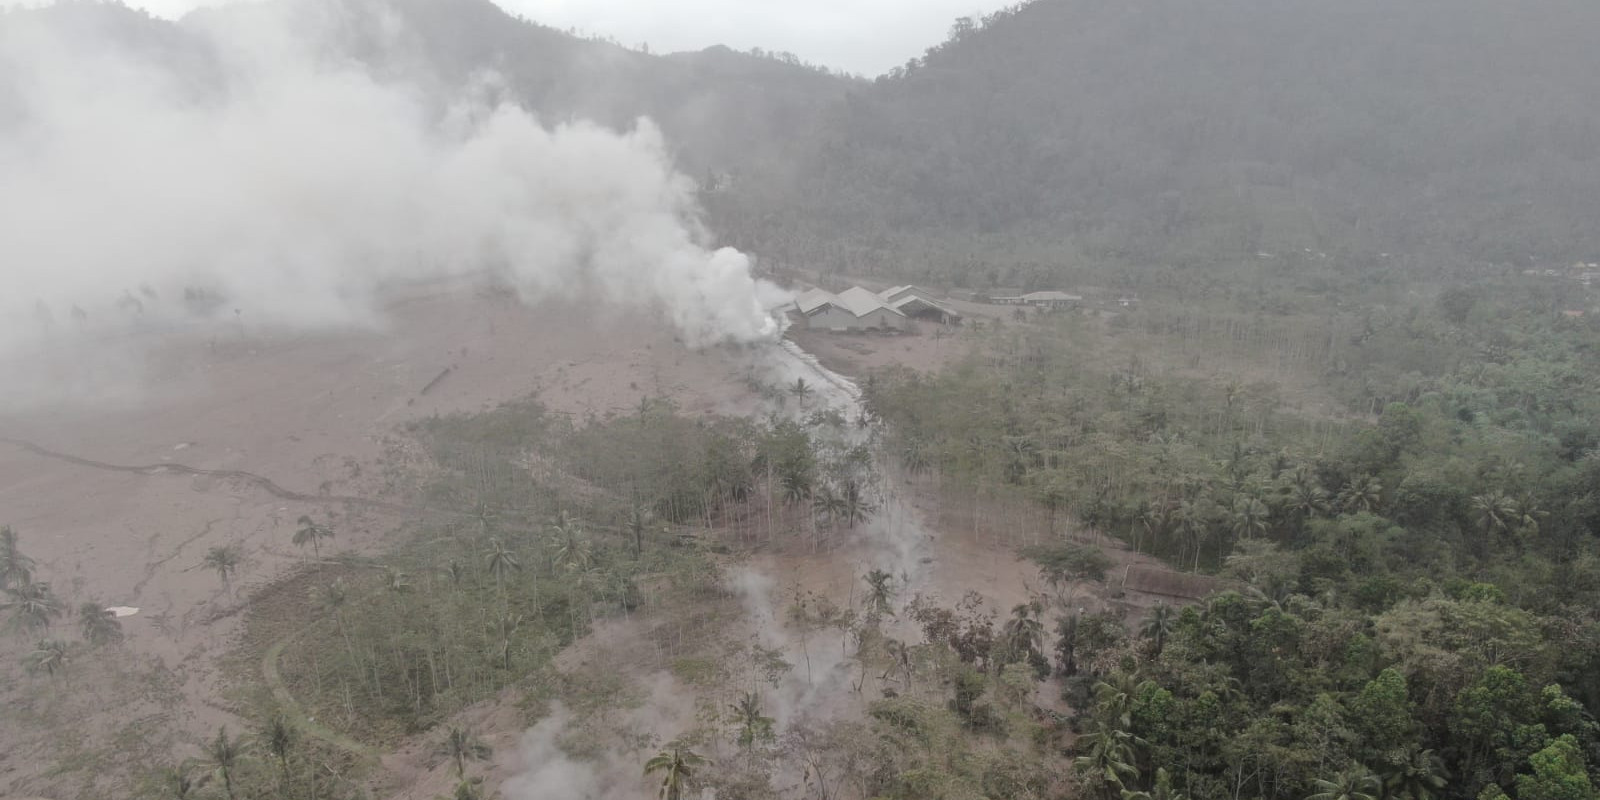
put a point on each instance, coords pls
(241, 159)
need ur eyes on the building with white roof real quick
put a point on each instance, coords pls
(917, 302)
(854, 309)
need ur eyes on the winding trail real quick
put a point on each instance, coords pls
(259, 481)
(291, 708)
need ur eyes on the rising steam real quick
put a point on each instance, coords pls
(249, 164)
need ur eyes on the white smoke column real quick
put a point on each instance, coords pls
(297, 185)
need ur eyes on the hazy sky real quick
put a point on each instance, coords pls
(865, 36)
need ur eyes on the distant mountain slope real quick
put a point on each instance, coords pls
(1183, 131)
(720, 109)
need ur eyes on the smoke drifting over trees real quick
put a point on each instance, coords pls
(242, 157)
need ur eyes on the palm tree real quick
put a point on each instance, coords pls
(676, 766)
(461, 746)
(1114, 698)
(32, 606)
(1355, 784)
(1162, 791)
(854, 505)
(455, 572)
(639, 519)
(880, 593)
(569, 549)
(332, 599)
(796, 488)
(506, 626)
(1108, 757)
(1360, 493)
(754, 727)
(825, 502)
(501, 563)
(99, 626)
(222, 756)
(1023, 634)
(225, 560)
(1525, 516)
(800, 389)
(1191, 517)
(16, 569)
(915, 456)
(1305, 499)
(1249, 517)
(49, 657)
(1421, 776)
(311, 533)
(279, 737)
(1158, 625)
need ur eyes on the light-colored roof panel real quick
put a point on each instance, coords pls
(861, 302)
(815, 299)
(1047, 296)
(911, 304)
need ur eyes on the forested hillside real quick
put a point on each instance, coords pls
(1447, 132)
(718, 108)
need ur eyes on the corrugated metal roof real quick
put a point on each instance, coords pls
(911, 299)
(861, 302)
(815, 299)
(1048, 296)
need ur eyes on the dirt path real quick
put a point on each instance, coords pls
(261, 482)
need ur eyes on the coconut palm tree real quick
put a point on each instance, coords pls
(827, 503)
(278, 736)
(639, 519)
(1355, 784)
(1108, 758)
(796, 488)
(1304, 500)
(1493, 511)
(1023, 634)
(754, 727)
(1161, 791)
(502, 562)
(311, 533)
(676, 766)
(1360, 493)
(16, 569)
(222, 757)
(99, 626)
(1249, 517)
(32, 606)
(506, 628)
(1421, 776)
(800, 389)
(455, 572)
(1191, 519)
(1525, 516)
(854, 505)
(225, 560)
(1158, 626)
(48, 656)
(880, 593)
(1114, 697)
(461, 746)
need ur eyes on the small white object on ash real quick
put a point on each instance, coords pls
(122, 611)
